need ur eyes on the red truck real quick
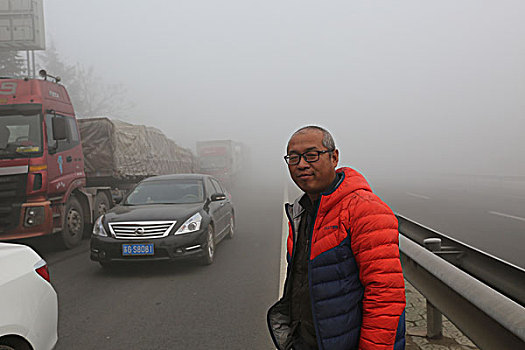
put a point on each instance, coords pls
(43, 184)
(223, 159)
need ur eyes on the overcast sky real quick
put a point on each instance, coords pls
(435, 86)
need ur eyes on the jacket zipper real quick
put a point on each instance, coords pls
(317, 337)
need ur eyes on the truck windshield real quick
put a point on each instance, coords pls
(166, 192)
(212, 162)
(20, 135)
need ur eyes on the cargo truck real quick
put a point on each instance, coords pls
(223, 159)
(50, 180)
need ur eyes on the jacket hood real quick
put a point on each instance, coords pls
(351, 181)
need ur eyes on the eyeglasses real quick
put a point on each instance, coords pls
(310, 157)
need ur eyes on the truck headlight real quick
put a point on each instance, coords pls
(191, 225)
(34, 216)
(98, 228)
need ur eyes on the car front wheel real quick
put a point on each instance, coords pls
(9, 343)
(231, 231)
(209, 249)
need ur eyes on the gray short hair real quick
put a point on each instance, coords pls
(328, 140)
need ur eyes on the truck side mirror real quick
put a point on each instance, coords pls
(118, 198)
(59, 128)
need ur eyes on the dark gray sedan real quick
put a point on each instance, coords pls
(165, 218)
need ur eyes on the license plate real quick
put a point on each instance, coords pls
(138, 249)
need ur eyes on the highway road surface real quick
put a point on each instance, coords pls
(179, 305)
(184, 305)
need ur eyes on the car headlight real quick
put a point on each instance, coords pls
(98, 228)
(191, 225)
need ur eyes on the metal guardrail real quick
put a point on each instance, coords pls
(506, 278)
(491, 319)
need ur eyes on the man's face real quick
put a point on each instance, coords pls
(312, 178)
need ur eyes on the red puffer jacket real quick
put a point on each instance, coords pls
(355, 277)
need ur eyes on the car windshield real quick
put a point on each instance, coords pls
(166, 192)
(20, 135)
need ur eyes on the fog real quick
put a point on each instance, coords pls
(405, 87)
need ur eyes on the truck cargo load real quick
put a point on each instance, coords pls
(121, 152)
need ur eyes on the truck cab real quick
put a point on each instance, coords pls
(222, 159)
(42, 180)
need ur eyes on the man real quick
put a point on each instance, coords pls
(344, 287)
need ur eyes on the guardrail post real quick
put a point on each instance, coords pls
(434, 316)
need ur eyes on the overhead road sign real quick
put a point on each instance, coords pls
(22, 25)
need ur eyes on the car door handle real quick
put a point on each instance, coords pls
(69, 159)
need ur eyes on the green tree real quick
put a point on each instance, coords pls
(11, 64)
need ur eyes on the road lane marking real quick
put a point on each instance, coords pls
(507, 215)
(513, 196)
(417, 195)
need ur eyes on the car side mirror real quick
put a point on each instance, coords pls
(218, 197)
(59, 128)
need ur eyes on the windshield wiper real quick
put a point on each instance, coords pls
(135, 204)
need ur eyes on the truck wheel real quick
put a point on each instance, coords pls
(73, 223)
(101, 204)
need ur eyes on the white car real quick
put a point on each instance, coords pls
(28, 302)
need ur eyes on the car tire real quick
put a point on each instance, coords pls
(73, 229)
(231, 231)
(209, 252)
(10, 343)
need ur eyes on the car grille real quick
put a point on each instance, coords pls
(12, 195)
(141, 229)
